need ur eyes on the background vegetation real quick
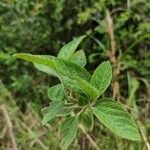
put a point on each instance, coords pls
(118, 31)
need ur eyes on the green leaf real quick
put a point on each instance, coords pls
(82, 99)
(102, 76)
(69, 131)
(55, 109)
(67, 50)
(39, 59)
(117, 119)
(79, 58)
(87, 119)
(72, 70)
(46, 69)
(71, 84)
(56, 93)
(86, 87)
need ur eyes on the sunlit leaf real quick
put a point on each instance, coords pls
(79, 58)
(102, 76)
(56, 93)
(116, 119)
(72, 70)
(39, 59)
(46, 69)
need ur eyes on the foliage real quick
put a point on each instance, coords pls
(109, 112)
(43, 27)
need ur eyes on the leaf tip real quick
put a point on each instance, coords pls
(14, 55)
(107, 62)
(83, 36)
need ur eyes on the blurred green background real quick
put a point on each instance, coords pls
(43, 27)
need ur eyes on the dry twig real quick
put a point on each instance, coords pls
(37, 140)
(89, 138)
(141, 127)
(9, 127)
(113, 57)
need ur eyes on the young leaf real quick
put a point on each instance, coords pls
(102, 76)
(117, 119)
(86, 87)
(56, 93)
(78, 58)
(46, 69)
(87, 119)
(67, 50)
(72, 70)
(70, 84)
(69, 131)
(39, 59)
(55, 109)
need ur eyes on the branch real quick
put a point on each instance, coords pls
(89, 138)
(113, 57)
(141, 128)
(111, 35)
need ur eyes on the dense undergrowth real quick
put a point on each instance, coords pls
(118, 31)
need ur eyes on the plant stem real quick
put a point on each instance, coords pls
(89, 137)
(113, 57)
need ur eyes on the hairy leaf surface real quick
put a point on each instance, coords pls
(72, 70)
(102, 76)
(67, 50)
(56, 93)
(86, 87)
(71, 84)
(55, 109)
(69, 131)
(46, 69)
(87, 119)
(117, 119)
